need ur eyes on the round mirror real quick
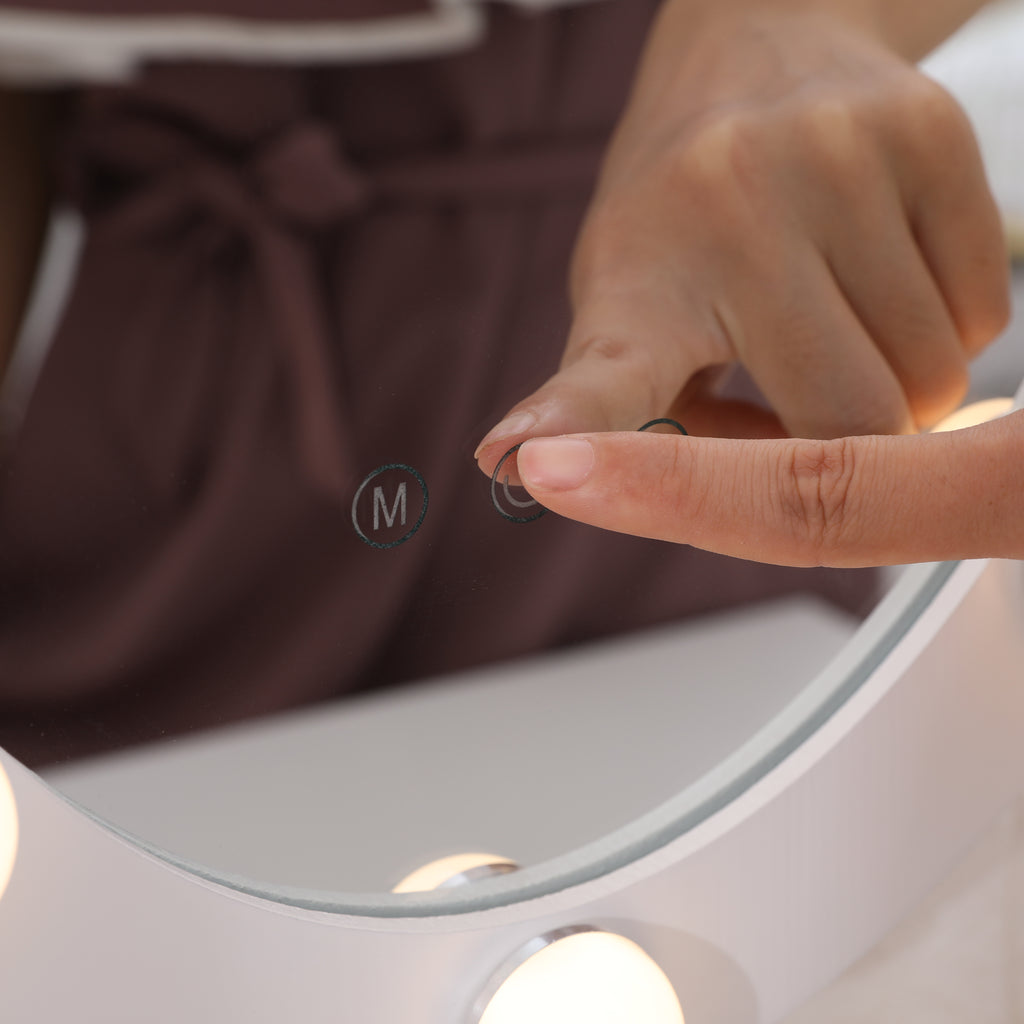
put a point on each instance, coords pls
(261, 608)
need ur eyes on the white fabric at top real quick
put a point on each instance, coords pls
(983, 66)
(47, 48)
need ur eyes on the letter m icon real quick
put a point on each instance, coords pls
(380, 507)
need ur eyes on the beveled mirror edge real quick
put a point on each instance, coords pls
(826, 694)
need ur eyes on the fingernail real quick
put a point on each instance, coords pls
(556, 463)
(517, 423)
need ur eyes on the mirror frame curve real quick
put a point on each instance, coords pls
(830, 846)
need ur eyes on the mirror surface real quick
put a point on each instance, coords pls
(261, 607)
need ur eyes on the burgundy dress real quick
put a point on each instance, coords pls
(296, 275)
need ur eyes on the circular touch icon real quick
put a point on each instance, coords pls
(389, 506)
(663, 421)
(513, 501)
(516, 504)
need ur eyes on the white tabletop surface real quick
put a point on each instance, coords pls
(529, 760)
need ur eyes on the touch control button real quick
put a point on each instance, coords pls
(513, 502)
(389, 506)
(516, 503)
(663, 421)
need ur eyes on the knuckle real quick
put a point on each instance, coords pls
(835, 140)
(816, 486)
(832, 125)
(722, 148)
(932, 113)
(633, 366)
(932, 102)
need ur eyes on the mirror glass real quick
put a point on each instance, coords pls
(260, 607)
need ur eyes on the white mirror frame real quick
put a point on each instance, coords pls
(748, 911)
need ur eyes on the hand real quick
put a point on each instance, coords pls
(787, 192)
(852, 501)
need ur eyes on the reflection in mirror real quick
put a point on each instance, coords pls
(260, 606)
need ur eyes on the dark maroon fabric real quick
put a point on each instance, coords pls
(291, 278)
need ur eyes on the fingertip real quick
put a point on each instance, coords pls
(553, 464)
(505, 434)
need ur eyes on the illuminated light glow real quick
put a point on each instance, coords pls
(973, 414)
(580, 975)
(454, 870)
(8, 831)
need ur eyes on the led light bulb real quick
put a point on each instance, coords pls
(973, 414)
(8, 831)
(458, 869)
(579, 974)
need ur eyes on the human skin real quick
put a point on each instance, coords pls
(824, 219)
(853, 501)
(784, 190)
(787, 191)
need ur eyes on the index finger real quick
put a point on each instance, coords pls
(853, 501)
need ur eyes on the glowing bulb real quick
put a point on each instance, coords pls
(973, 414)
(448, 872)
(579, 974)
(8, 831)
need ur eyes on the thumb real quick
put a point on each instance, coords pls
(631, 352)
(852, 501)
